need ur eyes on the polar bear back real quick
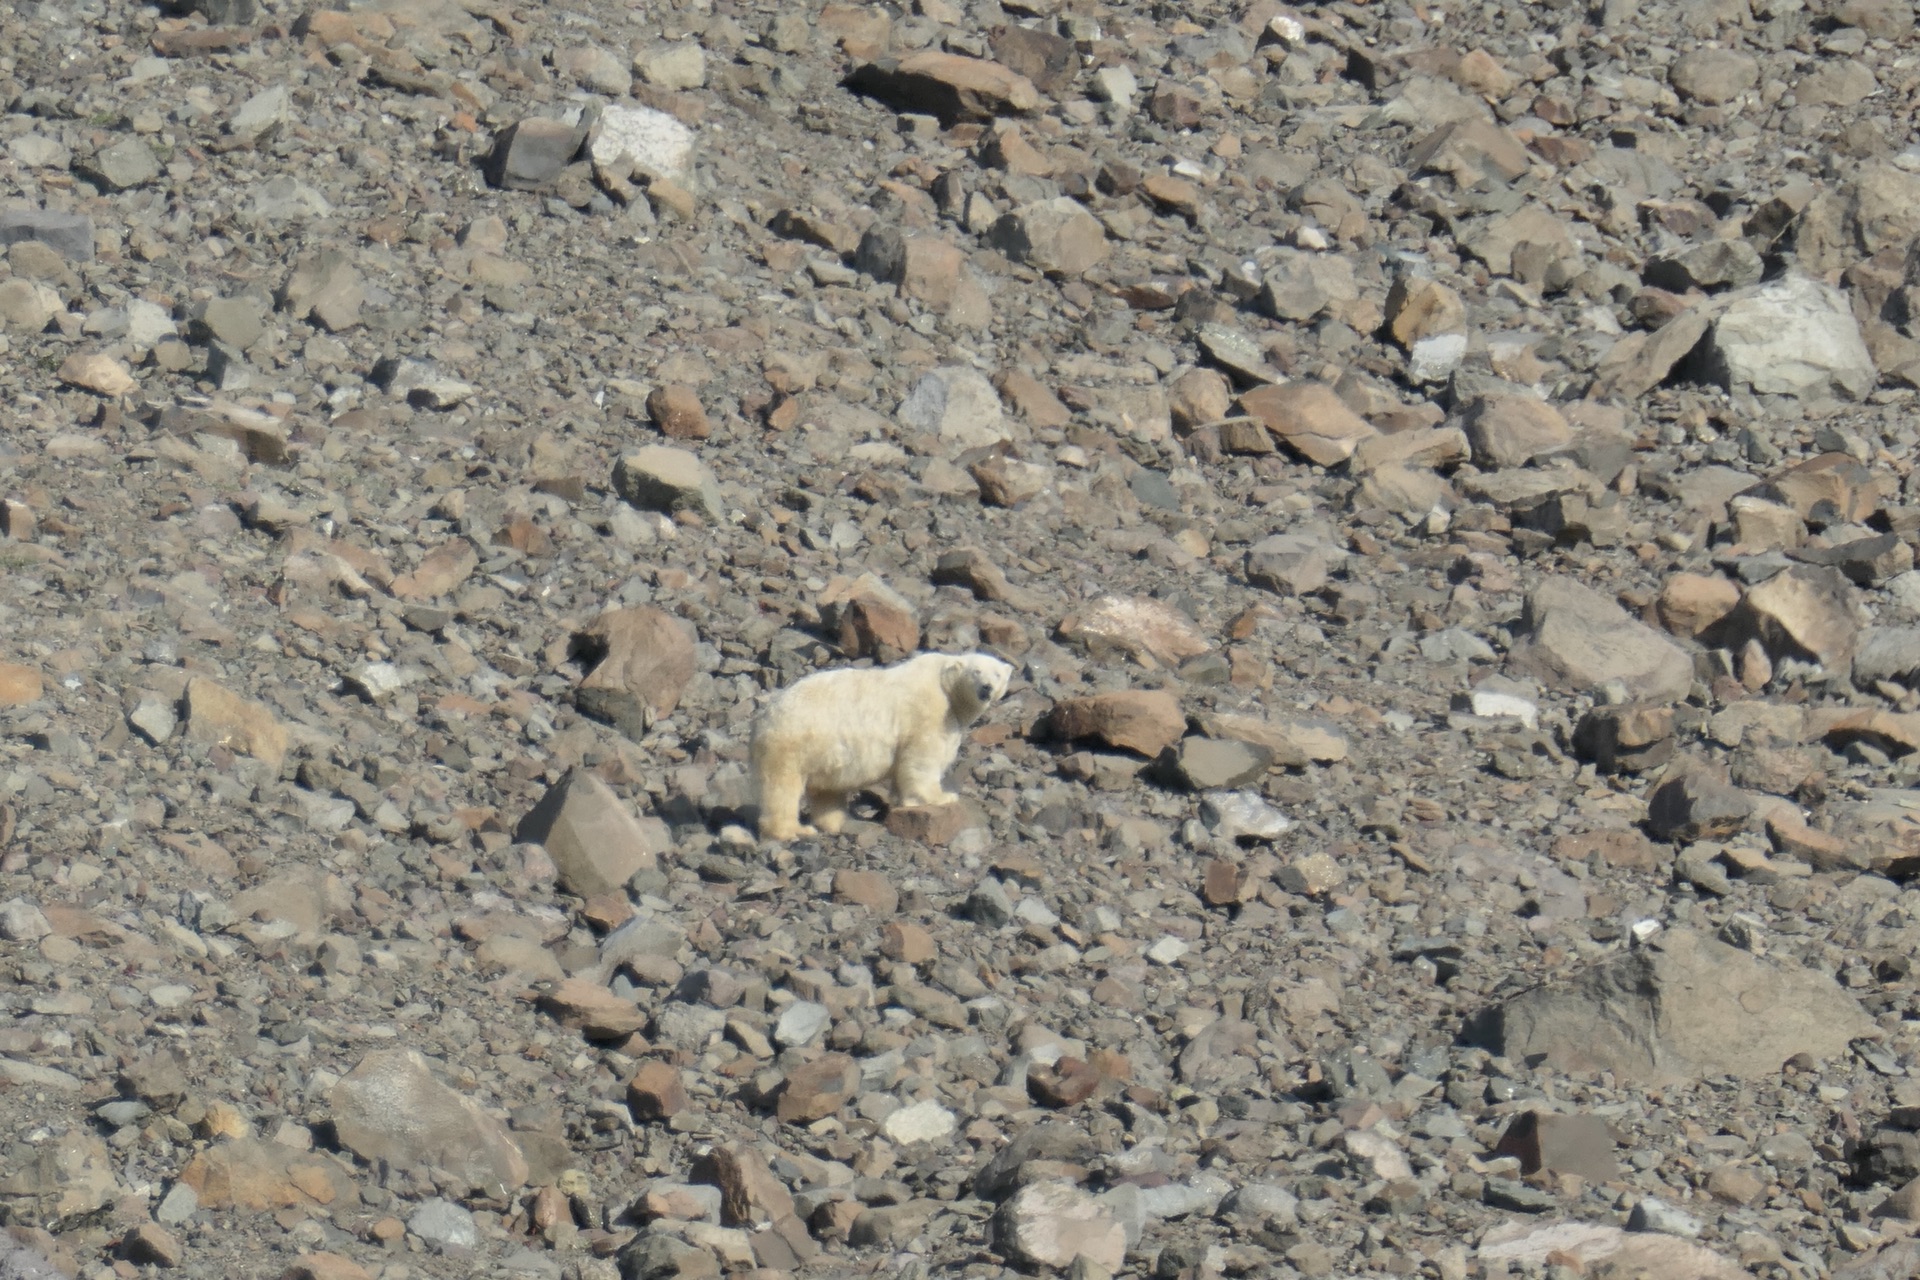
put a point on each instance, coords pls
(848, 725)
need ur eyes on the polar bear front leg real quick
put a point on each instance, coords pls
(828, 810)
(780, 789)
(917, 772)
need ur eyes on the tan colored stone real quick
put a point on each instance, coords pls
(255, 1175)
(869, 889)
(815, 1090)
(1423, 308)
(19, 685)
(592, 1010)
(324, 1266)
(98, 373)
(1139, 625)
(1310, 418)
(444, 568)
(1690, 603)
(220, 717)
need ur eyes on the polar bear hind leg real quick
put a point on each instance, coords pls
(828, 810)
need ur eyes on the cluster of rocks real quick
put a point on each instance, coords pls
(1445, 480)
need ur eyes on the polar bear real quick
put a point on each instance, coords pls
(832, 733)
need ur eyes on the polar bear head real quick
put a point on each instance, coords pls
(974, 682)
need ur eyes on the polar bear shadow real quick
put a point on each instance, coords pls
(835, 733)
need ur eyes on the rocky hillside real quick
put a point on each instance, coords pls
(1444, 476)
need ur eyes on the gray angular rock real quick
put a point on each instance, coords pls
(662, 478)
(71, 234)
(1579, 639)
(391, 1107)
(1680, 1007)
(1057, 236)
(595, 842)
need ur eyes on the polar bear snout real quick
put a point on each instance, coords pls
(983, 689)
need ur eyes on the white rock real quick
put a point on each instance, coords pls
(1795, 336)
(1234, 814)
(22, 921)
(957, 404)
(147, 323)
(1380, 1154)
(922, 1122)
(801, 1023)
(1049, 1224)
(1168, 950)
(265, 110)
(641, 139)
(1116, 85)
(1433, 358)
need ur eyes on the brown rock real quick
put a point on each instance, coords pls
(656, 1092)
(1147, 721)
(1310, 418)
(1057, 236)
(324, 1266)
(443, 569)
(1736, 1185)
(1139, 625)
(1225, 883)
(1627, 849)
(969, 567)
(1691, 804)
(151, 1244)
(750, 1195)
(907, 943)
(1008, 482)
(1581, 640)
(643, 659)
(1512, 430)
(250, 1174)
(1626, 739)
(933, 825)
(1199, 396)
(1690, 603)
(1577, 1144)
(871, 618)
(595, 842)
(948, 85)
(1422, 308)
(1471, 149)
(677, 412)
(220, 717)
(869, 889)
(592, 1010)
(98, 373)
(815, 1090)
(1029, 397)
(19, 685)
(1806, 612)
(1067, 1083)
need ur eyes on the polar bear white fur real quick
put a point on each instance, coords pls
(835, 732)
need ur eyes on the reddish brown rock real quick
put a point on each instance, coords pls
(1309, 418)
(815, 1090)
(642, 659)
(656, 1092)
(1144, 720)
(592, 1010)
(677, 412)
